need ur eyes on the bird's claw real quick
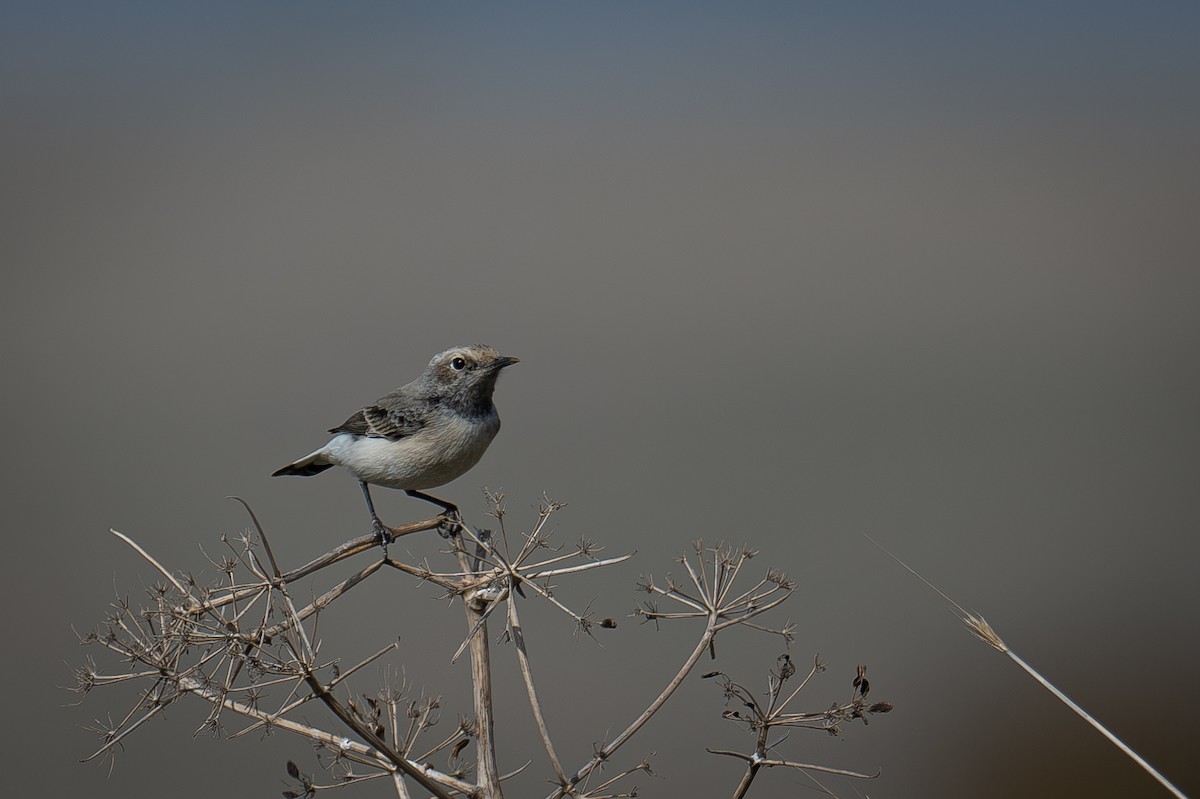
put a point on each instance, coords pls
(449, 524)
(384, 534)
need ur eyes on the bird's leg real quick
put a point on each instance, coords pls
(381, 529)
(453, 518)
(451, 509)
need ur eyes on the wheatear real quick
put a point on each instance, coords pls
(421, 435)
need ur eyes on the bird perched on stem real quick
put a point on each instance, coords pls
(420, 436)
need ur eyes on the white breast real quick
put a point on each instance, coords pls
(436, 455)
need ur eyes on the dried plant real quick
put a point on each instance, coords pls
(979, 627)
(763, 718)
(253, 654)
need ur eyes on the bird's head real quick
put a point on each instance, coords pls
(466, 376)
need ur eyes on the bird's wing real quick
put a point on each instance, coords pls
(376, 421)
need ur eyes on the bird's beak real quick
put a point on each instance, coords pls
(503, 361)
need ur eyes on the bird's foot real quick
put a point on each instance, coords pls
(450, 523)
(384, 534)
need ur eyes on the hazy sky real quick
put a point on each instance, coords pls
(777, 273)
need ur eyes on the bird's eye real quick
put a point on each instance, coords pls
(458, 364)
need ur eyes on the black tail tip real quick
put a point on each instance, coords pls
(307, 470)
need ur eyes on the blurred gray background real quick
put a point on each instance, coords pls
(778, 273)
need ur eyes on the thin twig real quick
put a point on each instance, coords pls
(518, 634)
(608, 749)
(766, 763)
(261, 534)
(161, 569)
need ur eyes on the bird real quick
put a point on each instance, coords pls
(420, 436)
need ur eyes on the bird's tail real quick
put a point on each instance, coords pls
(313, 463)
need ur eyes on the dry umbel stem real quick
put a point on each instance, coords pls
(763, 717)
(243, 646)
(253, 655)
(712, 572)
